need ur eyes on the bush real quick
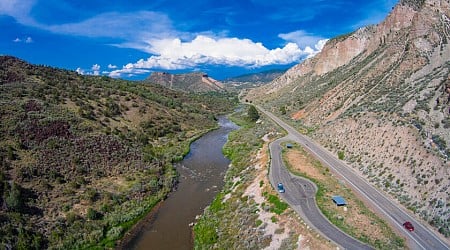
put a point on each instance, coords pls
(91, 214)
(206, 234)
(252, 113)
(11, 154)
(14, 199)
(278, 205)
(283, 110)
(71, 217)
(115, 233)
(341, 155)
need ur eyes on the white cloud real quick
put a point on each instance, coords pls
(320, 44)
(80, 71)
(126, 26)
(127, 72)
(172, 54)
(130, 30)
(152, 32)
(19, 9)
(301, 38)
(25, 40)
(95, 69)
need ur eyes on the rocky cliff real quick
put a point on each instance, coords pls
(381, 97)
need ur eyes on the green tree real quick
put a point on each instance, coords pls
(341, 155)
(252, 113)
(283, 110)
(13, 198)
(11, 154)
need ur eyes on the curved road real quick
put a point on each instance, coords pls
(421, 238)
(300, 195)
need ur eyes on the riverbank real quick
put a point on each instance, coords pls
(133, 233)
(200, 178)
(247, 213)
(128, 238)
(130, 235)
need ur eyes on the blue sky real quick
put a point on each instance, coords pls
(132, 38)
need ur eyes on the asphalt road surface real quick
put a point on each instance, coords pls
(300, 195)
(421, 238)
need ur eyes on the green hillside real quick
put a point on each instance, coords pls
(82, 158)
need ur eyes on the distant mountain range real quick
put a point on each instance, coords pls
(381, 97)
(190, 82)
(259, 77)
(252, 80)
(201, 82)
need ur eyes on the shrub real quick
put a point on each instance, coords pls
(283, 110)
(13, 199)
(92, 214)
(278, 205)
(341, 155)
(252, 113)
(71, 217)
(115, 233)
(11, 154)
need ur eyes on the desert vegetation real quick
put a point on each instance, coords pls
(83, 158)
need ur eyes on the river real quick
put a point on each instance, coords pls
(201, 178)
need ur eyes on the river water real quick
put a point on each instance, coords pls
(201, 178)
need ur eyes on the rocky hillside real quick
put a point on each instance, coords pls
(253, 80)
(82, 158)
(259, 77)
(380, 97)
(191, 82)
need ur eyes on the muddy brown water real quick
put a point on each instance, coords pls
(201, 178)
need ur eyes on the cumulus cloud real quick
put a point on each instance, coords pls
(95, 69)
(319, 45)
(168, 48)
(25, 40)
(173, 54)
(128, 72)
(80, 71)
(301, 38)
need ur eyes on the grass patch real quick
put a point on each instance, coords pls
(278, 206)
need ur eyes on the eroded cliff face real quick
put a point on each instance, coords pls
(341, 50)
(380, 95)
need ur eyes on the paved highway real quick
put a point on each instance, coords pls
(300, 195)
(421, 238)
